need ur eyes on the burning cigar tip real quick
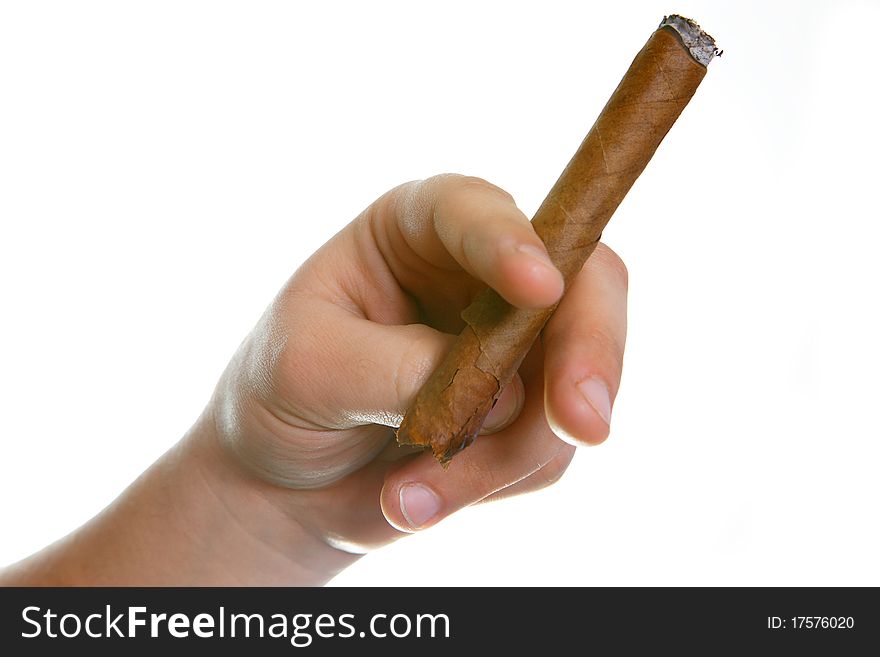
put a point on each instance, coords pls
(700, 45)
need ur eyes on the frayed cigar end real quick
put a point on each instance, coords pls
(458, 403)
(700, 45)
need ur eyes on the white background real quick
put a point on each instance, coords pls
(164, 167)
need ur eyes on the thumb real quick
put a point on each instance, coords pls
(375, 371)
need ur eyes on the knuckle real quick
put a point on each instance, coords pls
(599, 346)
(418, 359)
(607, 343)
(608, 260)
(481, 185)
(410, 203)
(453, 184)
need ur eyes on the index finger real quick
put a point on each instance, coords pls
(452, 222)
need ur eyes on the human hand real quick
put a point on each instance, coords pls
(307, 404)
(293, 470)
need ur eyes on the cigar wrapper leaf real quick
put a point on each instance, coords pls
(450, 408)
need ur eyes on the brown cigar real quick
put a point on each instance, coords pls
(450, 408)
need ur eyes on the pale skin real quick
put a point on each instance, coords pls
(292, 472)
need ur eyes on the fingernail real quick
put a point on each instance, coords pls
(596, 394)
(419, 504)
(538, 254)
(506, 408)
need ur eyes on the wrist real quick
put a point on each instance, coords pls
(252, 530)
(194, 518)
